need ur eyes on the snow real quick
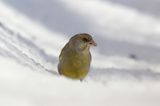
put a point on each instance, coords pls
(125, 65)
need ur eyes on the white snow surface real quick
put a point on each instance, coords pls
(125, 67)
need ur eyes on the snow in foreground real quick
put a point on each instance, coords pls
(28, 76)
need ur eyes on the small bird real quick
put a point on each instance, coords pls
(75, 57)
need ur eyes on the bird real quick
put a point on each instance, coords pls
(75, 57)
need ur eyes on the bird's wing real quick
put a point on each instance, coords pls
(62, 52)
(90, 56)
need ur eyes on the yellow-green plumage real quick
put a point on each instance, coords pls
(75, 57)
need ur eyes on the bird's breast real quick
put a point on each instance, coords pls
(75, 65)
(81, 60)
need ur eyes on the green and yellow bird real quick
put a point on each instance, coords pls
(75, 57)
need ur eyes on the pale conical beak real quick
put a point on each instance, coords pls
(92, 43)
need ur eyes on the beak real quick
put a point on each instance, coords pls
(92, 43)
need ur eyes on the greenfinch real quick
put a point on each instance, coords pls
(75, 57)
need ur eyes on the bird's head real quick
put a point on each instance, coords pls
(82, 41)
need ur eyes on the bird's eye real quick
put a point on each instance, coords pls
(85, 39)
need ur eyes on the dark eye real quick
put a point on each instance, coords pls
(85, 39)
